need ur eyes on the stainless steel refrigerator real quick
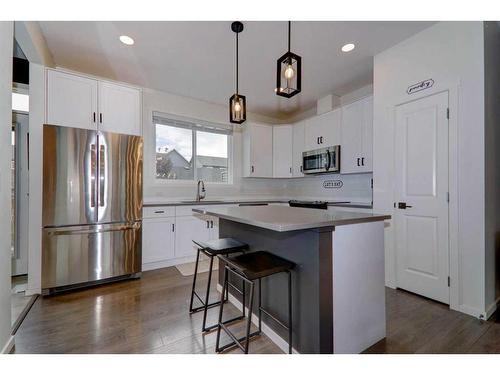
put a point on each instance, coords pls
(92, 207)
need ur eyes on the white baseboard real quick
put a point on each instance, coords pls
(491, 308)
(472, 311)
(273, 336)
(8, 346)
(167, 263)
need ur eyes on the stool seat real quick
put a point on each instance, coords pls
(258, 264)
(222, 246)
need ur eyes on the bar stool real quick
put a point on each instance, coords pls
(211, 249)
(250, 267)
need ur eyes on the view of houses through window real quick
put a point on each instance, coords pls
(191, 152)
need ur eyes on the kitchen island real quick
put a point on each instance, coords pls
(338, 282)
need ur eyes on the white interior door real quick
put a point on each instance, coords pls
(421, 183)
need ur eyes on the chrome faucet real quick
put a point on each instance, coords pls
(200, 195)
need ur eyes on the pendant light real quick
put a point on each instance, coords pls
(289, 73)
(237, 102)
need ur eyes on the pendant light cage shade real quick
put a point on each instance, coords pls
(237, 109)
(289, 75)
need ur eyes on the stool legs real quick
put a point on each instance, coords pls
(191, 310)
(289, 312)
(221, 307)
(249, 320)
(207, 295)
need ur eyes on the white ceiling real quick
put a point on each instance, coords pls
(196, 59)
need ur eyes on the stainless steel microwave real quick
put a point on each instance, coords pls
(323, 160)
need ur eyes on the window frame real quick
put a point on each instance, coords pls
(199, 125)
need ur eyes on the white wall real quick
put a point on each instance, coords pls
(196, 109)
(6, 48)
(355, 188)
(451, 53)
(36, 120)
(492, 159)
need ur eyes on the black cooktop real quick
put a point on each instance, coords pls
(321, 205)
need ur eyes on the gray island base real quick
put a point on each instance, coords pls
(338, 284)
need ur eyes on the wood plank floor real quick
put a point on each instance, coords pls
(150, 316)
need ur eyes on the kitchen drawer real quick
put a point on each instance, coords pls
(158, 211)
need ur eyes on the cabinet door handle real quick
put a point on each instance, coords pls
(211, 224)
(321, 139)
(301, 168)
(100, 118)
(252, 169)
(362, 161)
(208, 224)
(317, 140)
(358, 163)
(290, 170)
(94, 117)
(159, 212)
(173, 227)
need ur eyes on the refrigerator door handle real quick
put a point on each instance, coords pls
(102, 177)
(93, 167)
(117, 228)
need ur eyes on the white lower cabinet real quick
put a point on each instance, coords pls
(189, 228)
(158, 239)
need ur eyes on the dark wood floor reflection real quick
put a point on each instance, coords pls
(150, 316)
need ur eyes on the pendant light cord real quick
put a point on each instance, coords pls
(289, 34)
(236, 63)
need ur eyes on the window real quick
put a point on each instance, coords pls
(191, 150)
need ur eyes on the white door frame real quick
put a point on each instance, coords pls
(453, 90)
(442, 295)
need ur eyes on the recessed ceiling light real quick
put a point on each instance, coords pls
(348, 47)
(125, 39)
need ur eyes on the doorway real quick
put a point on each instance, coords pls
(20, 303)
(422, 197)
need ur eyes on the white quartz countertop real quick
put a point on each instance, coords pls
(284, 219)
(156, 201)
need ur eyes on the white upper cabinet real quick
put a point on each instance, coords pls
(357, 137)
(82, 102)
(257, 150)
(282, 151)
(298, 148)
(323, 130)
(71, 100)
(119, 109)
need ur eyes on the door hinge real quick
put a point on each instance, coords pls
(448, 281)
(448, 113)
(448, 197)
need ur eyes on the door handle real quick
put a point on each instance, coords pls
(208, 224)
(358, 163)
(102, 177)
(93, 166)
(362, 161)
(211, 224)
(403, 206)
(321, 139)
(290, 170)
(100, 118)
(119, 228)
(252, 169)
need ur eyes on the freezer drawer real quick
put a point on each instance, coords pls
(81, 254)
